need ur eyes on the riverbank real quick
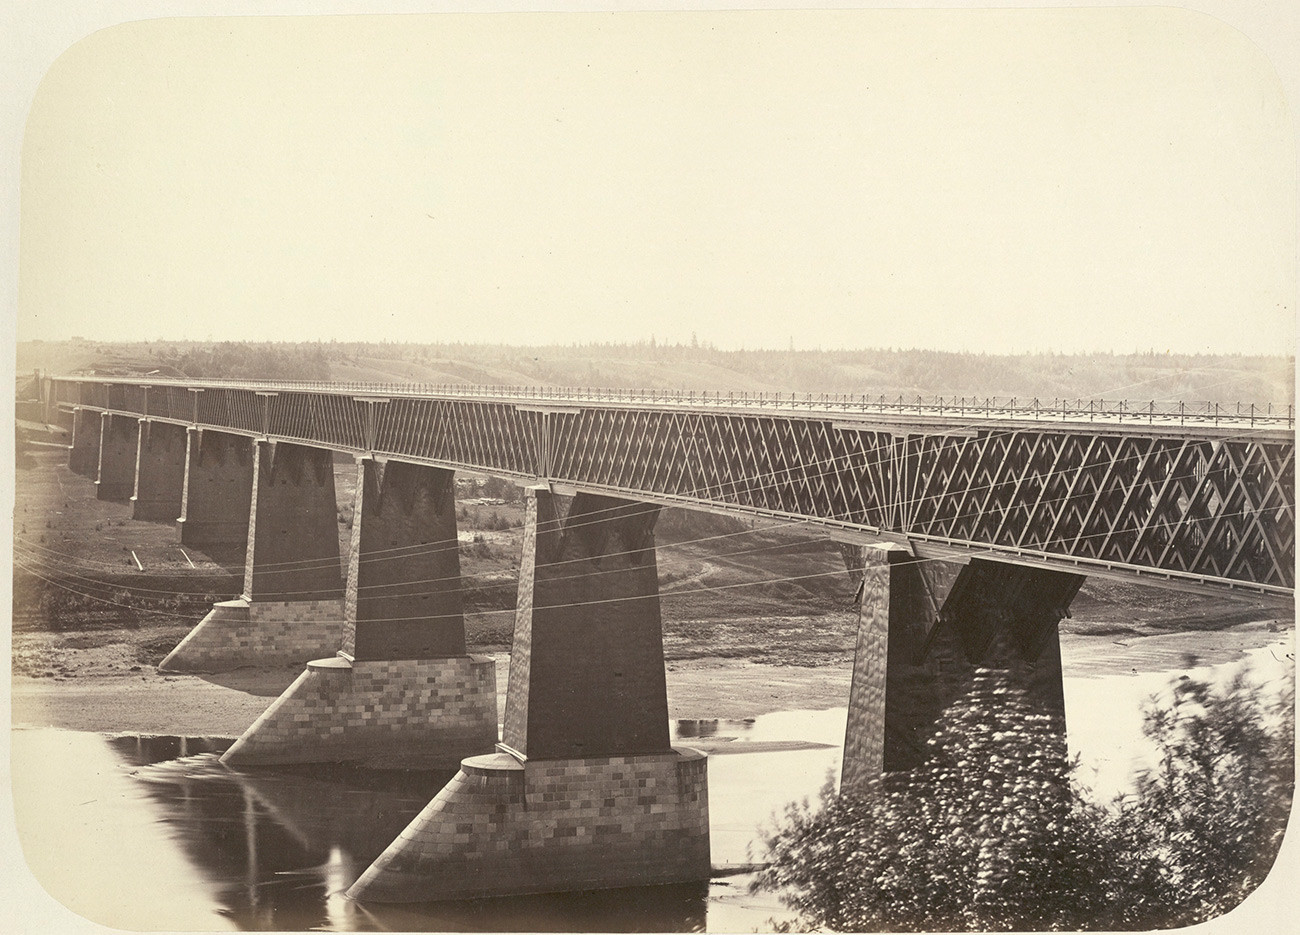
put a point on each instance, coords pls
(143, 700)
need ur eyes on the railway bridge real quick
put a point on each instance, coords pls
(969, 523)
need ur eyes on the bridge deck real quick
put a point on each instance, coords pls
(1175, 492)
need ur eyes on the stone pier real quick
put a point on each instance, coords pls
(217, 492)
(118, 445)
(159, 472)
(585, 791)
(924, 627)
(83, 453)
(292, 606)
(402, 691)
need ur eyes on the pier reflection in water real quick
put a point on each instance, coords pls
(275, 849)
(153, 832)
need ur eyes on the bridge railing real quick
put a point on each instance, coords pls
(1166, 412)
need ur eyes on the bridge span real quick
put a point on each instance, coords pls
(1181, 493)
(969, 526)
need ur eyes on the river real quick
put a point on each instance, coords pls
(143, 832)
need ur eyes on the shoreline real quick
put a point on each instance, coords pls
(225, 704)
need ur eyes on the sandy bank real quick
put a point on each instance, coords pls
(223, 705)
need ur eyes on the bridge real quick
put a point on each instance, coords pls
(970, 524)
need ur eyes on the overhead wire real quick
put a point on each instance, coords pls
(801, 477)
(408, 551)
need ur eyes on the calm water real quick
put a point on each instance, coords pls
(154, 833)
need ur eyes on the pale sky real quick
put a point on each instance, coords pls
(963, 180)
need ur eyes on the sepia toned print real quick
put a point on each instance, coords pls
(730, 470)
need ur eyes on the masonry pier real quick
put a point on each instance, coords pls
(83, 453)
(118, 446)
(292, 606)
(585, 791)
(217, 491)
(159, 472)
(924, 628)
(402, 691)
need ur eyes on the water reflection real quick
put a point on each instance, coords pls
(275, 849)
(154, 832)
(276, 844)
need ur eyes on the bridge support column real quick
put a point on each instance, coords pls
(402, 691)
(292, 606)
(217, 491)
(159, 472)
(924, 628)
(83, 453)
(118, 445)
(586, 791)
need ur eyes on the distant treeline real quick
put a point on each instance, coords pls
(649, 365)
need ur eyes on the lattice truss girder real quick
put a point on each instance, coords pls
(1196, 505)
(1208, 507)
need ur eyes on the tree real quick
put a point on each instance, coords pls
(990, 833)
(1205, 824)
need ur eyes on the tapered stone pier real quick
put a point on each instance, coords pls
(402, 691)
(292, 606)
(585, 792)
(217, 491)
(83, 453)
(159, 472)
(924, 627)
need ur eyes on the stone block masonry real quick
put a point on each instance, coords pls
(118, 443)
(159, 472)
(292, 606)
(502, 827)
(587, 664)
(402, 713)
(239, 633)
(402, 690)
(586, 791)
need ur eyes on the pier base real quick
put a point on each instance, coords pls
(242, 633)
(399, 713)
(505, 827)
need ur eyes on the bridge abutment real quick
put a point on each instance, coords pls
(924, 628)
(159, 472)
(402, 691)
(292, 606)
(586, 790)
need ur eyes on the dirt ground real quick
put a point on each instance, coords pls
(224, 705)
